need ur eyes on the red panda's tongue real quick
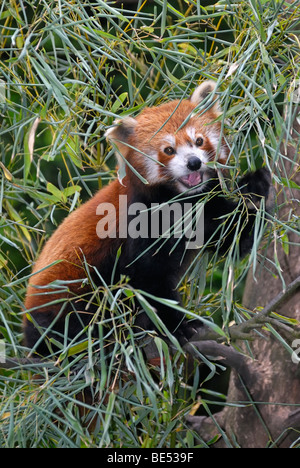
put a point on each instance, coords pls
(192, 179)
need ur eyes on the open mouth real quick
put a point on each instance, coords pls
(191, 180)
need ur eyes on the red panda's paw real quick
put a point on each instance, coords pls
(187, 330)
(258, 185)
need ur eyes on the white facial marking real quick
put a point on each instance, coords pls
(214, 138)
(191, 132)
(224, 152)
(178, 164)
(168, 140)
(220, 149)
(152, 167)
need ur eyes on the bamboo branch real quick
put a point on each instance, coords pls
(242, 330)
(226, 354)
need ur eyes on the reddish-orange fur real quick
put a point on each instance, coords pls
(75, 240)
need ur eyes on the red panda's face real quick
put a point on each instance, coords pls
(173, 143)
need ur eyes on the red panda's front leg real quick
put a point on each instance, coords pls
(173, 319)
(157, 272)
(228, 222)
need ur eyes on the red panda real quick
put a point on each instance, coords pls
(166, 150)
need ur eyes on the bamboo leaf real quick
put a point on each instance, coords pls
(6, 172)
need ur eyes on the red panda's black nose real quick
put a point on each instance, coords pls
(194, 163)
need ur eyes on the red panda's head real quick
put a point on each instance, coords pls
(173, 143)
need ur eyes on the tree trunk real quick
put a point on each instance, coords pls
(270, 416)
(277, 389)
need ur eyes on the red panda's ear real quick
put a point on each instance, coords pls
(202, 92)
(120, 132)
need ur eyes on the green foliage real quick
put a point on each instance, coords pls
(67, 69)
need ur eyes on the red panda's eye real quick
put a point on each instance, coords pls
(199, 141)
(169, 150)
